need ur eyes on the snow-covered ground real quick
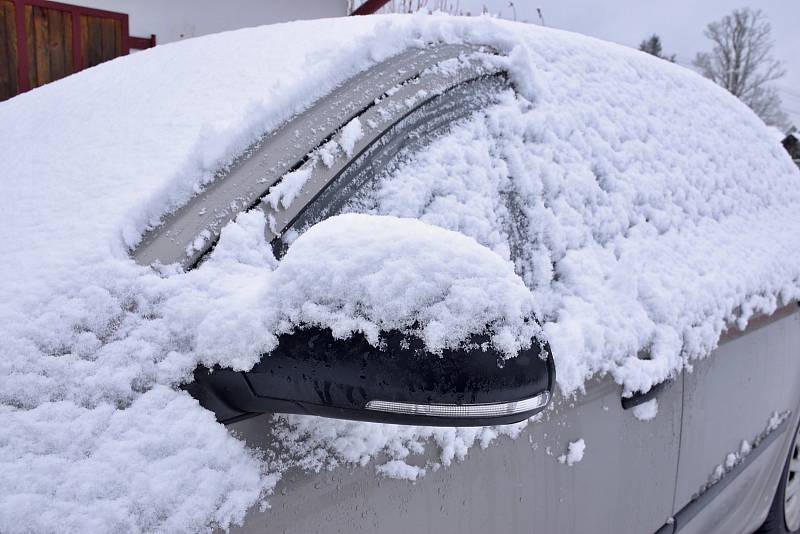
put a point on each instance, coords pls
(642, 207)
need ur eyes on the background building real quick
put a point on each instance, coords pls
(174, 20)
(42, 41)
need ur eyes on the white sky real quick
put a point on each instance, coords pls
(680, 24)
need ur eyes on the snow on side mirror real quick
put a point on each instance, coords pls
(390, 320)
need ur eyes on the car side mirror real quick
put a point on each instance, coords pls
(311, 372)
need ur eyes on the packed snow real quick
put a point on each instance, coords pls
(627, 229)
(317, 444)
(345, 141)
(646, 411)
(284, 192)
(644, 209)
(349, 135)
(400, 469)
(574, 454)
(371, 274)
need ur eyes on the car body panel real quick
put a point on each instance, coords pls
(730, 397)
(624, 483)
(742, 506)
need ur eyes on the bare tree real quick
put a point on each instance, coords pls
(541, 17)
(741, 62)
(652, 45)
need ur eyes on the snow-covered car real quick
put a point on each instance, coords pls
(436, 233)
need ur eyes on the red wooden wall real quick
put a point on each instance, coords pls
(42, 41)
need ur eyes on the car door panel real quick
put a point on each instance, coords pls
(742, 505)
(626, 479)
(730, 397)
(624, 483)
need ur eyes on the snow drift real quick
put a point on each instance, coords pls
(645, 209)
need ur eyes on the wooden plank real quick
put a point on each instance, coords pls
(30, 45)
(13, 60)
(69, 66)
(77, 49)
(101, 39)
(5, 65)
(22, 48)
(118, 38)
(108, 39)
(84, 41)
(95, 41)
(55, 43)
(55, 40)
(41, 32)
(8, 50)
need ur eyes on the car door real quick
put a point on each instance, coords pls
(586, 464)
(730, 398)
(623, 482)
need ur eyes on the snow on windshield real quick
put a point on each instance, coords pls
(643, 207)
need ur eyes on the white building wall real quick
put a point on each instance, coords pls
(173, 20)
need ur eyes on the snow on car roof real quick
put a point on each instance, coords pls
(657, 207)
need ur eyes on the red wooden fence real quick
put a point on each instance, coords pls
(42, 41)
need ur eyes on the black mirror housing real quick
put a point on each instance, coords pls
(311, 372)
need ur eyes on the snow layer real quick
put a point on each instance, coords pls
(284, 192)
(642, 234)
(400, 469)
(316, 444)
(646, 411)
(367, 273)
(644, 208)
(574, 454)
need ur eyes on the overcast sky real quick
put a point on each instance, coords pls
(680, 24)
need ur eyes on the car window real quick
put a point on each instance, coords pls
(465, 180)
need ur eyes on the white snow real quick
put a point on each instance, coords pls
(345, 141)
(730, 460)
(351, 133)
(400, 469)
(327, 152)
(71, 461)
(574, 454)
(644, 208)
(776, 133)
(745, 448)
(367, 273)
(318, 443)
(284, 192)
(646, 411)
(630, 221)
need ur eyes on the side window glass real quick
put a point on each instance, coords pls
(461, 181)
(440, 167)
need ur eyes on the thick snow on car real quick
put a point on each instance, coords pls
(423, 229)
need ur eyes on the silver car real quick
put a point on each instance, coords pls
(722, 455)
